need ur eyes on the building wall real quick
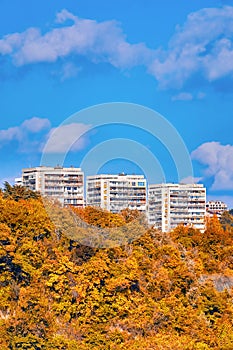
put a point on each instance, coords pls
(215, 208)
(64, 184)
(168, 204)
(18, 181)
(116, 192)
(172, 204)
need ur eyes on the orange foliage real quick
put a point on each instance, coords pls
(162, 291)
(99, 217)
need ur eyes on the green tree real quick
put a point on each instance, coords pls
(17, 192)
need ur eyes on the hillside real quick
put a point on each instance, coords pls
(161, 291)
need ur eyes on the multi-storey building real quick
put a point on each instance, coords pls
(116, 192)
(170, 205)
(64, 184)
(215, 208)
(18, 181)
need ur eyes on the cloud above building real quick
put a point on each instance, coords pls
(37, 135)
(202, 45)
(66, 138)
(35, 124)
(183, 96)
(99, 41)
(218, 160)
(28, 135)
(32, 125)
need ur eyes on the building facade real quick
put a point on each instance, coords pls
(18, 181)
(117, 192)
(64, 184)
(170, 205)
(215, 208)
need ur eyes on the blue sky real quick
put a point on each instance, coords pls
(175, 57)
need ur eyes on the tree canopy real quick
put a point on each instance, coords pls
(18, 192)
(160, 292)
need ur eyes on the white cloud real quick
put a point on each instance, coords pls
(66, 138)
(69, 70)
(191, 180)
(36, 124)
(220, 62)
(219, 162)
(101, 42)
(24, 133)
(12, 43)
(183, 96)
(10, 134)
(64, 15)
(187, 96)
(203, 44)
(35, 136)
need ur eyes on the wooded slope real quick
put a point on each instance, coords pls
(162, 291)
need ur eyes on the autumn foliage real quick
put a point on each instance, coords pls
(160, 292)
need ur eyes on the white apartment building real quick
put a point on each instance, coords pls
(18, 181)
(170, 205)
(64, 184)
(116, 192)
(215, 208)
